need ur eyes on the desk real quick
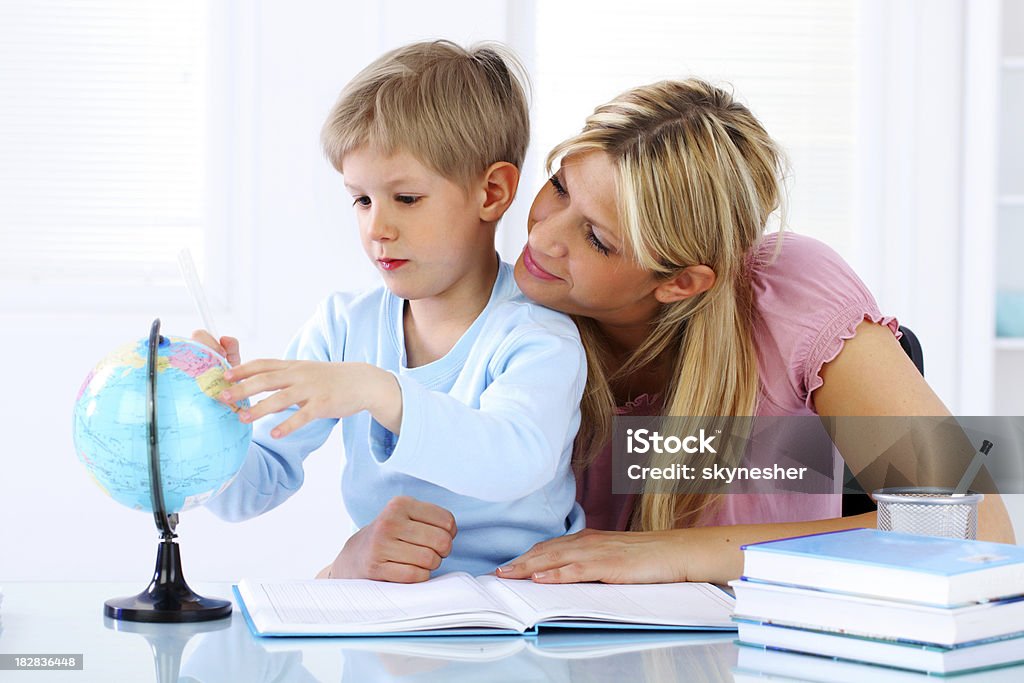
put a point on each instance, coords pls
(67, 618)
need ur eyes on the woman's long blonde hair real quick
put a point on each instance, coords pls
(698, 178)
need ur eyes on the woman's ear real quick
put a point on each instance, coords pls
(500, 182)
(693, 280)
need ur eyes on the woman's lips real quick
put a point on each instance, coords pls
(533, 268)
(392, 263)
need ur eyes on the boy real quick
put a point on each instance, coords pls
(456, 393)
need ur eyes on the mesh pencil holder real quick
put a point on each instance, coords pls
(928, 511)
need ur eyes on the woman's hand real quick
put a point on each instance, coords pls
(606, 556)
(713, 554)
(404, 544)
(320, 389)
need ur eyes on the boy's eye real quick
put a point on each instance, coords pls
(596, 243)
(407, 199)
(362, 200)
(555, 183)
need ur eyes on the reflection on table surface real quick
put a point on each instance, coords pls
(67, 618)
(559, 656)
(756, 665)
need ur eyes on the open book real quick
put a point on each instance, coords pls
(459, 604)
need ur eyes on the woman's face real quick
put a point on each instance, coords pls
(575, 259)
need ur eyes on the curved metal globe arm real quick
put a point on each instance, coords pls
(156, 488)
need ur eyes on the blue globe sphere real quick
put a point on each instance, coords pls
(201, 441)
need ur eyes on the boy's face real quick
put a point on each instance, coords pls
(422, 231)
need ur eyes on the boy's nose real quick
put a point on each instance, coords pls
(379, 226)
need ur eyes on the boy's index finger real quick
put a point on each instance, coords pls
(235, 392)
(247, 370)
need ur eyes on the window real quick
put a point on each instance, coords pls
(105, 137)
(793, 62)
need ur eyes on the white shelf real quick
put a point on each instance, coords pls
(1013, 62)
(1011, 200)
(1009, 343)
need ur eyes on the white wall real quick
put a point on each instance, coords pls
(291, 244)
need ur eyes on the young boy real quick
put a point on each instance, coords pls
(456, 393)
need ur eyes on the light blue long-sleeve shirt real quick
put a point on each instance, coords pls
(486, 431)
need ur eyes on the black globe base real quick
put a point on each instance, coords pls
(167, 599)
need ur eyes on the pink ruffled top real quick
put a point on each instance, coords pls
(808, 302)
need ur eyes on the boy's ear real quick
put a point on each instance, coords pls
(693, 280)
(499, 184)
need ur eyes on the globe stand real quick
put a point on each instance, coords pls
(167, 599)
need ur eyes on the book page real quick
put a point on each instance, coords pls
(675, 604)
(339, 606)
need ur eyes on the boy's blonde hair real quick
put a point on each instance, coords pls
(456, 110)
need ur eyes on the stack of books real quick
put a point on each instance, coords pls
(922, 603)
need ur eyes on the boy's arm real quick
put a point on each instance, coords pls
(513, 443)
(271, 473)
(272, 470)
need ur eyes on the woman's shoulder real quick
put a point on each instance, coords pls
(791, 255)
(796, 272)
(807, 301)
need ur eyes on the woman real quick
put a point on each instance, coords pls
(650, 235)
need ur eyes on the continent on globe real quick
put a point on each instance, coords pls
(206, 369)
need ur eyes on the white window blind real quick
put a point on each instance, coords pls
(103, 147)
(792, 62)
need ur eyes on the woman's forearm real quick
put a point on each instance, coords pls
(994, 521)
(711, 554)
(717, 558)
(714, 551)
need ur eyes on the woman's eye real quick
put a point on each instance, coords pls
(407, 199)
(596, 243)
(361, 201)
(559, 190)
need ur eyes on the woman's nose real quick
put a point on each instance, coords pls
(547, 236)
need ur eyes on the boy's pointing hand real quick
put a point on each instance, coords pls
(319, 389)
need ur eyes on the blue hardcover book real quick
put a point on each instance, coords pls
(761, 665)
(877, 617)
(891, 565)
(459, 604)
(975, 656)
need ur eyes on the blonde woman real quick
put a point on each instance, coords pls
(651, 234)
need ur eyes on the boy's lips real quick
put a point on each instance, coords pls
(392, 263)
(534, 269)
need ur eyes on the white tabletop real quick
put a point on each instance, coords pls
(64, 618)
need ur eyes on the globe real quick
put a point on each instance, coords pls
(201, 441)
